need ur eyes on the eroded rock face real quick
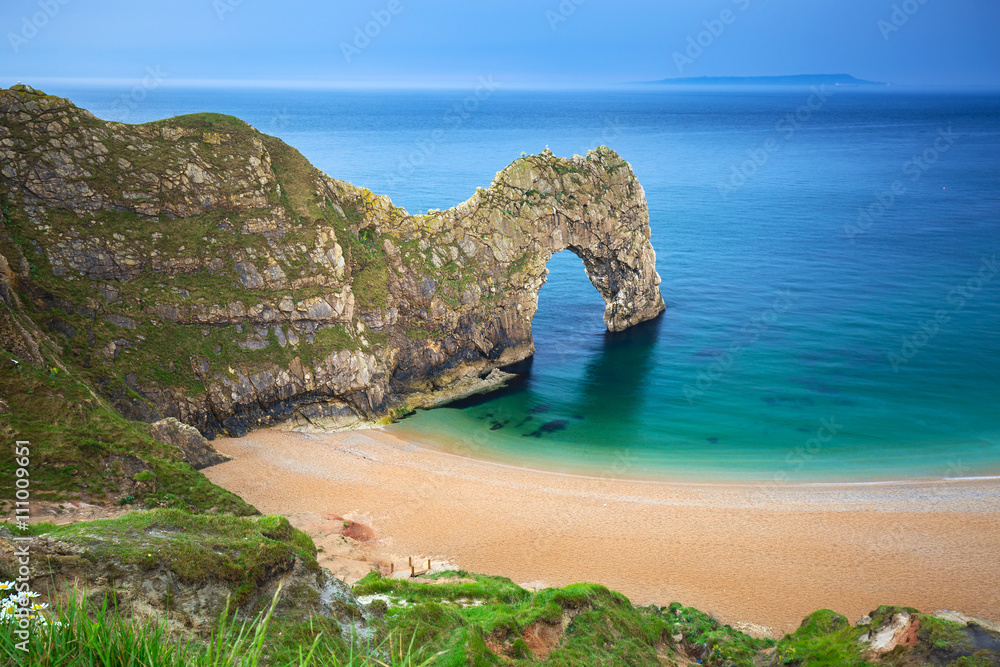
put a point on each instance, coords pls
(177, 594)
(200, 270)
(195, 449)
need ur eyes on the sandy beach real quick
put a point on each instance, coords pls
(763, 554)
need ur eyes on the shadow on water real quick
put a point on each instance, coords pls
(616, 381)
(612, 389)
(516, 385)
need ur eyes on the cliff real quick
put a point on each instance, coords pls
(171, 570)
(195, 268)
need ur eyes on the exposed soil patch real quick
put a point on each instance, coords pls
(71, 511)
(357, 531)
(542, 638)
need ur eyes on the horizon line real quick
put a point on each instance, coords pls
(473, 83)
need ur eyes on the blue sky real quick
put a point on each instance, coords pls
(520, 42)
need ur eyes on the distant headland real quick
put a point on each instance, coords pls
(787, 80)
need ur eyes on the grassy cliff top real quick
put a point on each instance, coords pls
(82, 449)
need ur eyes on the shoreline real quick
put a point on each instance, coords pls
(766, 553)
(430, 446)
(470, 447)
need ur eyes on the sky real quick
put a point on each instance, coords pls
(528, 43)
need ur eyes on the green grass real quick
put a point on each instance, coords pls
(825, 639)
(162, 355)
(495, 589)
(563, 168)
(106, 639)
(240, 552)
(100, 637)
(162, 352)
(462, 618)
(979, 659)
(83, 449)
(520, 264)
(205, 122)
(418, 334)
(371, 284)
(365, 256)
(942, 634)
(447, 619)
(724, 644)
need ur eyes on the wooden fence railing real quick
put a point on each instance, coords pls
(414, 572)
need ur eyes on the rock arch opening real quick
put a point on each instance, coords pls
(537, 207)
(567, 325)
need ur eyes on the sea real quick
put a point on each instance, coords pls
(828, 261)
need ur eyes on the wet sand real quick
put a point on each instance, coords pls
(766, 554)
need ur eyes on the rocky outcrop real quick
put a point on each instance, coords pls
(185, 570)
(194, 448)
(939, 638)
(195, 268)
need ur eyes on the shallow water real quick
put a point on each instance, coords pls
(798, 343)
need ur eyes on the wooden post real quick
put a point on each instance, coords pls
(392, 569)
(428, 565)
(411, 562)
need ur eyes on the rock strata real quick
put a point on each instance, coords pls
(197, 269)
(182, 579)
(195, 449)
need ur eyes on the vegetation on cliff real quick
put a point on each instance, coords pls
(193, 267)
(471, 619)
(196, 269)
(241, 552)
(457, 618)
(82, 449)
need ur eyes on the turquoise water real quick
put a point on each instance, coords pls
(798, 344)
